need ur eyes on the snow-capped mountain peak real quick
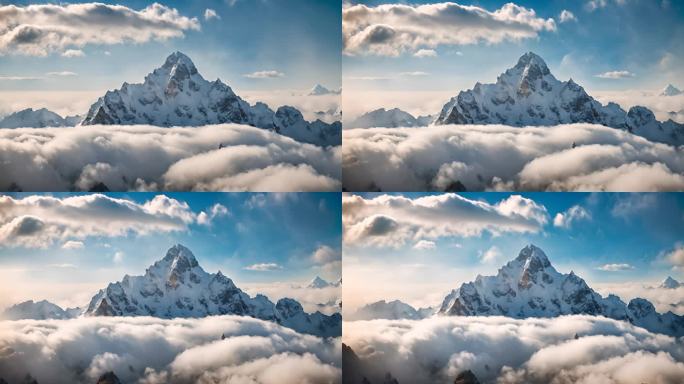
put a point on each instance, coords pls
(670, 90)
(176, 94)
(39, 118)
(670, 283)
(318, 90)
(317, 282)
(529, 286)
(528, 94)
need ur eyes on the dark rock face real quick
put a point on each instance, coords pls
(466, 377)
(108, 378)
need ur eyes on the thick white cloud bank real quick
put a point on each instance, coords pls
(391, 29)
(392, 221)
(151, 350)
(575, 157)
(41, 29)
(507, 351)
(224, 157)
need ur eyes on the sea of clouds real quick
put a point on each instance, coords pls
(151, 350)
(568, 349)
(496, 157)
(154, 158)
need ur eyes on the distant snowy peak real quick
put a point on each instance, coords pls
(529, 286)
(40, 118)
(40, 310)
(392, 310)
(319, 90)
(318, 283)
(392, 118)
(176, 94)
(529, 95)
(670, 283)
(177, 286)
(670, 90)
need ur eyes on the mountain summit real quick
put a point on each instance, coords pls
(529, 286)
(670, 90)
(529, 94)
(177, 286)
(176, 94)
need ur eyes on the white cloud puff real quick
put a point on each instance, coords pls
(216, 210)
(391, 29)
(391, 221)
(566, 16)
(210, 14)
(263, 267)
(39, 220)
(424, 245)
(615, 75)
(216, 158)
(270, 74)
(425, 53)
(151, 350)
(40, 29)
(493, 157)
(616, 267)
(573, 214)
(568, 349)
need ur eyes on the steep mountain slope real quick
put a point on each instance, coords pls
(39, 310)
(176, 94)
(670, 283)
(177, 286)
(529, 286)
(391, 118)
(670, 90)
(528, 94)
(39, 118)
(392, 310)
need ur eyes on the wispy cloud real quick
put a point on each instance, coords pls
(210, 14)
(73, 53)
(72, 244)
(566, 16)
(270, 74)
(425, 53)
(616, 267)
(573, 214)
(62, 74)
(615, 75)
(263, 267)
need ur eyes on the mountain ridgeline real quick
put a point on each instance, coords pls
(529, 286)
(177, 286)
(528, 94)
(176, 94)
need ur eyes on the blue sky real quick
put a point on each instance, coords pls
(642, 37)
(281, 229)
(298, 38)
(640, 232)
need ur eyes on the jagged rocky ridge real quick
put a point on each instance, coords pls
(40, 310)
(177, 286)
(528, 94)
(529, 286)
(391, 118)
(390, 310)
(176, 94)
(318, 283)
(39, 118)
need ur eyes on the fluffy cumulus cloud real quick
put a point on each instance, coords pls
(151, 350)
(216, 210)
(215, 158)
(569, 349)
(493, 157)
(572, 215)
(424, 245)
(566, 16)
(391, 29)
(39, 221)
(392, 221)
(425, 53)
(675, 256)
(40, 29)
(211, 14)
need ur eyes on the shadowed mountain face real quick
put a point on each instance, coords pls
(176, 94)
(529, 286)
(528, 94)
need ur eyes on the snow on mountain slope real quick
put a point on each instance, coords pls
(176, 94)
(529, 95)
(318, 283)
(529, 286)
(39, 118)
(670, 283)
(318, 90)
(40, 310)
(177, 286)
(391, 118)
(670, 90)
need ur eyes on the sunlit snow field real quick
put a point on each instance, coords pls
(224, 157)
(152, 350)
(574, 157)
